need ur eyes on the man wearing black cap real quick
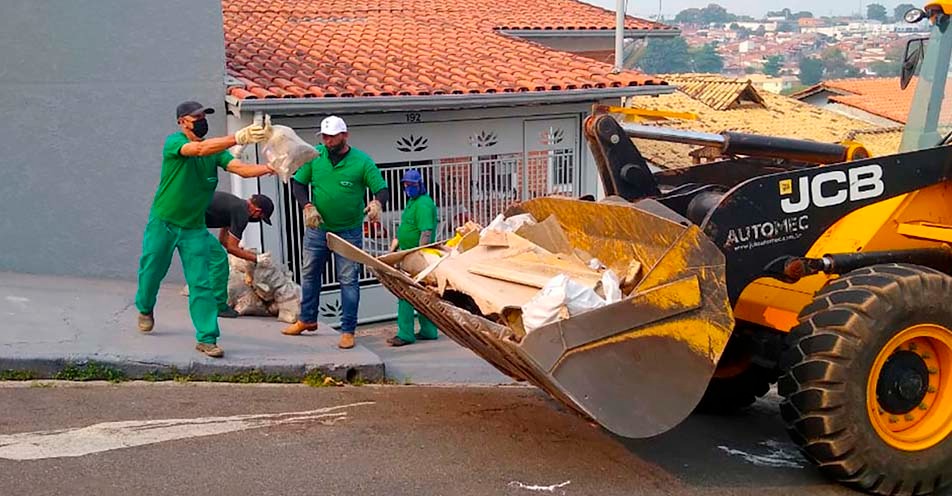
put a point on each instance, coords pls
(188, 180)
(232, 214)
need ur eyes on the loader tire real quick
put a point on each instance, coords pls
(866, 387)
(737, 382)
(731, 394)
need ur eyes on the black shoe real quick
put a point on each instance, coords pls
(395, 341)
(228, 313)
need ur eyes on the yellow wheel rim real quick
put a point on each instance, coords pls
(909, 391)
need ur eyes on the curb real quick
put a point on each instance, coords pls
(199, 370)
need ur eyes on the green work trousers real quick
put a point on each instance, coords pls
(405, 313)
(218, 270)
(159, 242)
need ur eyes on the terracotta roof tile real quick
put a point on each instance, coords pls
(878, 96)
(776, 116)
(336, 48)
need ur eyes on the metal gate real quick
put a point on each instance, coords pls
(472, 169)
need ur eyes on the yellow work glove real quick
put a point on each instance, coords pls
(373, 211)
(255, 133)
(312, 218)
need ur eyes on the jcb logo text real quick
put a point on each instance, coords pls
(832, 188)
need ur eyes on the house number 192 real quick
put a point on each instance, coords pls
(414, 117)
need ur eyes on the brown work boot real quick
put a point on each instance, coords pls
(146, 322)
(346, 341)
(298, 327)
(212, 350)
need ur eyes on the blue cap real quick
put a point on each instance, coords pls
(412, 176)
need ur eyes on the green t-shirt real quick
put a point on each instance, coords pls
(337, 191)
(418, 216)
(187, 184)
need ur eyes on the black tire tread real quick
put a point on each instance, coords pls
(815, 360)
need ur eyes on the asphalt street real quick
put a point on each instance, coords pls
(203, 439)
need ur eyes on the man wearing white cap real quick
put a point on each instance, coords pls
(338, 178)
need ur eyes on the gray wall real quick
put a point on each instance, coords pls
(88, 90)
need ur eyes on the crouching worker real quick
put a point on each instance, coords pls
(417, 227)
(232, 215)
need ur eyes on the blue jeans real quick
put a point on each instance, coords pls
(316, 255)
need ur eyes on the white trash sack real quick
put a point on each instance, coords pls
(562, 298)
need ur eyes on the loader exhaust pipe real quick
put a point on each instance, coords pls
(753, 145)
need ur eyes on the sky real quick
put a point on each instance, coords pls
(649, 8)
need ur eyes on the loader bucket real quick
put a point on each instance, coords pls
(637, 367)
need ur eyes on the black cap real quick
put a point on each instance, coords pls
(191, 108)
(266, 206)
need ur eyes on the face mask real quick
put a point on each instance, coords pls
(200, 128)
(412, 190)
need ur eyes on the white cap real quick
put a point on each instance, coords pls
(333, 125)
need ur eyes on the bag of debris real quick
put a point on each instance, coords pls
(286, 152)
(508, 224)
(287, 310)
(248, 303)
(237, 287)
(559, 299)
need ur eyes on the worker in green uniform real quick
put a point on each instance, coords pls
(177, 219)
(331, 191)
(417, 226)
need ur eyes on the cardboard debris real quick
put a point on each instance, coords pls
(548, 234)
(495, 238)
(511, 263)
(631, 278)
(536, 269)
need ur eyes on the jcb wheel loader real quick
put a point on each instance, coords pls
(805, 264)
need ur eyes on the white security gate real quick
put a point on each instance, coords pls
(472, 169)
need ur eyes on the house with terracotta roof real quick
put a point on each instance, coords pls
(722, 103)
(485, 98)
(879, 101)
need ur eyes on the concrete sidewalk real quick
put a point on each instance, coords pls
(49, 322)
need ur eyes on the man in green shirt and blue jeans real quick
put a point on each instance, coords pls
(338, 179)
(188, 180)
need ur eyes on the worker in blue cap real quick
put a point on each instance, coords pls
(417, 227)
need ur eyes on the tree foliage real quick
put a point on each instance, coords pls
(706, 59)
(789, 15)
(811, 71)
(835, 64)
(674, 56)
(773, 65)
(876, 12)
(665, 56)
(711, 14)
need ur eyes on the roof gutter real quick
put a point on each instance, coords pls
(377, 104)
(590, 33)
